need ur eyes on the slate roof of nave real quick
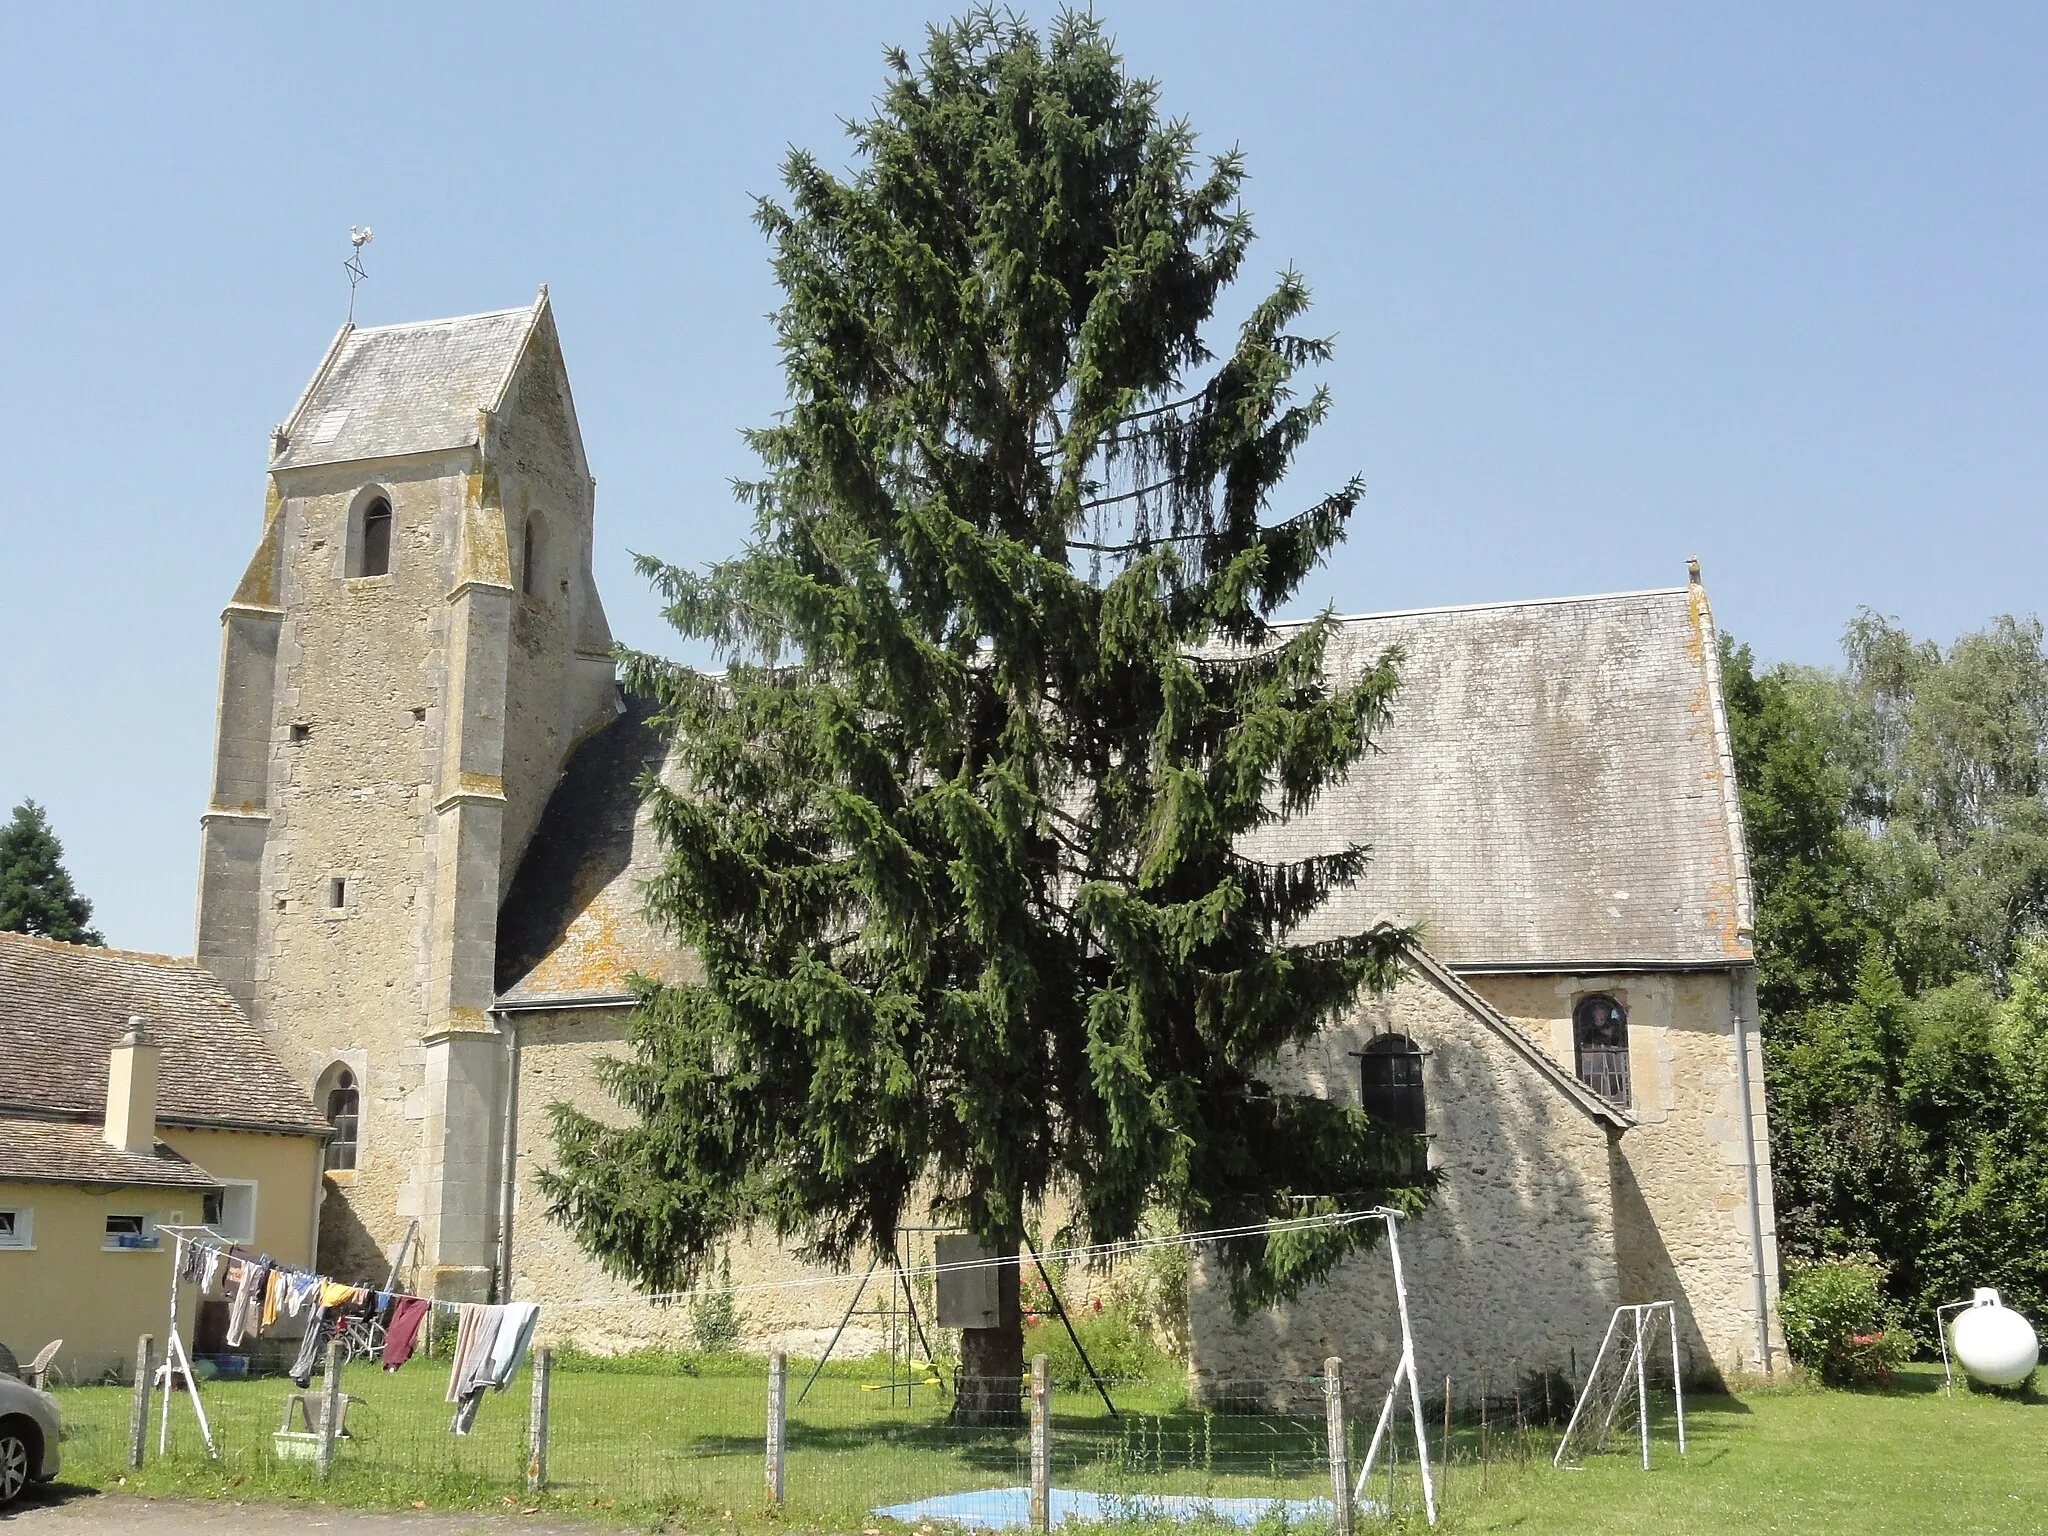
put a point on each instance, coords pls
(1552, 792)
(62, 1007)
(392, 389)
(1553, 789)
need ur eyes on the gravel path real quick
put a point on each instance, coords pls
(70, 1513)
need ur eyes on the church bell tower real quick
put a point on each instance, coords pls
(413, 651)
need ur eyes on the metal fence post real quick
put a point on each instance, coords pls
(778, 1422)
(1041, 1445)
(330, 1410)
(138, 1411)
(537, 1423)
(1341, 1514)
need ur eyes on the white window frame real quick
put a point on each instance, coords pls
(22, 1225)
(235, 1235)
(151, 1240)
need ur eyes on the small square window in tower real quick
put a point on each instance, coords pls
(1600, 1043)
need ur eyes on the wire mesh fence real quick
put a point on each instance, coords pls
(859, 1440)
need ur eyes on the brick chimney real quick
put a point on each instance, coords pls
(131, 1090)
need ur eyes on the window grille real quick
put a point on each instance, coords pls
(1600, 1038)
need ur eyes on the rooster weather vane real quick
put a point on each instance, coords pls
(354, 265)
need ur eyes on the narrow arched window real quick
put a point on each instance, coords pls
(375, 544)
(1600, 1039)
(343, 1107)
(1392, 1080)
(528, 582)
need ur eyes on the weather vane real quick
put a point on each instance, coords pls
(354, 265)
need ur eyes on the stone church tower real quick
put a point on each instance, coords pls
(415, 649)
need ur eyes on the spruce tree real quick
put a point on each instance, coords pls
(36, 895)
(960, 832)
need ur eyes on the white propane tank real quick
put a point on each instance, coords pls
(1994, 1343)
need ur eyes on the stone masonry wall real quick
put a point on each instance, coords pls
(1681, 1187)
(1513, 1268)
(795, 1307)
(360, 671)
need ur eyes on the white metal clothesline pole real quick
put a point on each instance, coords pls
(1405, 1369)
(176, 1360)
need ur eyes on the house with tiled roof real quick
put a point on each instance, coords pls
(424, 858)
(134, 1095)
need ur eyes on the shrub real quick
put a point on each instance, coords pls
(1118, 1347)
(1836, 1325)
(715, 1318)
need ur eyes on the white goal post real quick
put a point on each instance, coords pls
(1638, 1337)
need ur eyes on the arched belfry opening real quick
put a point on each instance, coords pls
(369, 544)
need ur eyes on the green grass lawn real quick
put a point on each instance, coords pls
(687, 1449)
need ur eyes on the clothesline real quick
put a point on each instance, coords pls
(227, 1247)
(490, 1339)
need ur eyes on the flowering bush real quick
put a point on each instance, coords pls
(1836, 1324)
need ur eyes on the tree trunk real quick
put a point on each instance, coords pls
(990, 1389)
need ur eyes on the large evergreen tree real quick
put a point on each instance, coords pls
(963, 842)
(36, 894)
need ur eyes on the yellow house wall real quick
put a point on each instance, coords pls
(68, 1286)
(99, 1301)
(287, 1174)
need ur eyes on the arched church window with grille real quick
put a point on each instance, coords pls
(1600, 1041)
(342, 1104)
(371, 546)
(1391, 1068)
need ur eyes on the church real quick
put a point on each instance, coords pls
(422, 854)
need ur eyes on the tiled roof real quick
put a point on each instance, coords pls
(62, 1007)
(1552, 788)
(1552, 792)
(571, 924)
(71, 1152)
(393, 389)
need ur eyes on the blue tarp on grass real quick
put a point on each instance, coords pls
(1002, 1509)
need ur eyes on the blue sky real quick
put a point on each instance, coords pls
(1610, 285)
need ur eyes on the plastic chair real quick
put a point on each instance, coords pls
(43, 1364)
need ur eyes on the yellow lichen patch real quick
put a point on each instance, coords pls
(483, 559)
(480, 784)
(258, 587)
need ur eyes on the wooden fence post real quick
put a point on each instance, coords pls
(138, 1411)
(537, 1423)
(778, 1422)
(1341, 1514)
(1041, 1445)
(330, 1411)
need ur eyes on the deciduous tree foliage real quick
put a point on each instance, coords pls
(1895, 809)
(958, 832)
(36, 894)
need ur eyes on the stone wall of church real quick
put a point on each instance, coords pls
(1513, 1268)
(355, 742)
(791, 1306)
(1681, 1185)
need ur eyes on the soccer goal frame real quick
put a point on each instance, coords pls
(1638, 1339)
